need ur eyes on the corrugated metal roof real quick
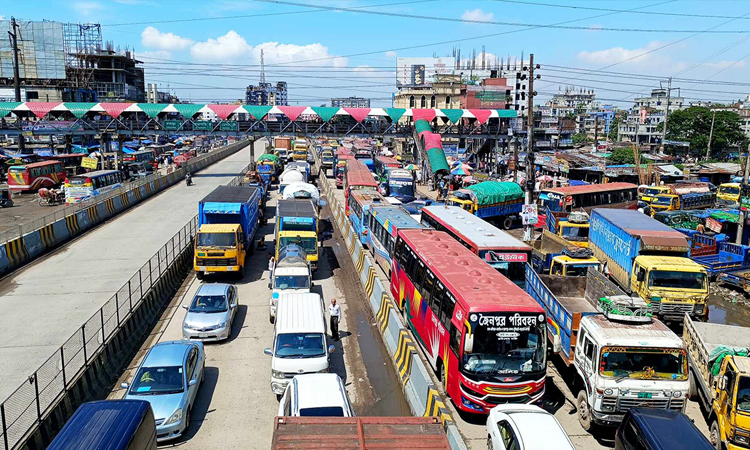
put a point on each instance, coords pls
(296, 208)
(591, 188)
(297, 313)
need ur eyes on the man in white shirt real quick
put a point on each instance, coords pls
(335, 312)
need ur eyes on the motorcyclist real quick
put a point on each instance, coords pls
(188, 179)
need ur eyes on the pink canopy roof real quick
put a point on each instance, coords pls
(359, 114)
(115, 109)
(40, 109)
(292, 112)
(432, 140)
(223, 111)
(482, 115)
(426, 114)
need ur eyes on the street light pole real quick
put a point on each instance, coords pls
(530, 171)
(710, 136)
(743, 212)
(16, 75)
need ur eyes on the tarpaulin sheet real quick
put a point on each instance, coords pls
(292, 112)
(422, 126)
(454, 115)
(7, 107)
(40, 109)
(506, 113)
(395, 113)
(426, 114)
(152, 109)
(359, 114)
(493, 192)
(482, 115)
(268, 157)
(222, 208)
(79, 109)
(325, 113)
(717, 356)
(257, 111)
(223, 111)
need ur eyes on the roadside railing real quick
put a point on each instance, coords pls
(44, 389)
(60, 213)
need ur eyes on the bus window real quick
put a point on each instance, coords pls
(446, 311)
(418, 280)
(438, 299)
(455, 339)
(429, 281)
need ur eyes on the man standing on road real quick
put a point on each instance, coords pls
(335, 311)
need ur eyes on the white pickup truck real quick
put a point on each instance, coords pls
(291, 274)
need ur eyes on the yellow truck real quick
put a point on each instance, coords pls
(227, 222)
(300, 150)
(720, 380)
(729, 192)
(573, 227)
(297, 223)
(553, 254)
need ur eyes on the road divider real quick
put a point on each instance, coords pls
(423, 396)
(22, 249)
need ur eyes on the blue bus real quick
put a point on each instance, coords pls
(360, 203)
(384, 225)
(82, 187)
(401, 185)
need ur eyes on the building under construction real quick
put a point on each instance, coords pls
(69, 62)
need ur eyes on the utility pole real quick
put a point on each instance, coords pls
(666, 116)
(710, 136)
(596, 133)
(530, 170)
(16, 75)
(743, 211)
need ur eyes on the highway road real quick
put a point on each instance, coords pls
(235, 406)
(43, 303)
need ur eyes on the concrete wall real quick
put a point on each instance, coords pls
(423, 396)
(19, 251)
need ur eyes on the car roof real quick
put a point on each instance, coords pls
(167, 353)
(102, 425)
(666, 429)
(300, 312)
(319, 390)
(528, 423)
(213, 289)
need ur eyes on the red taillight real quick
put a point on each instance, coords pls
(88, 181)
(66, 181)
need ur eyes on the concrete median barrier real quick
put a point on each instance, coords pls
(413, 371)
(23, 249)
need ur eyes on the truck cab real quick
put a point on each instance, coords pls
(729, 192)
(220, 248)
(673, 285)
(568, 266)
(651, 192)
(326, 159)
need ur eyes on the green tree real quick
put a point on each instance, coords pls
(622, 156)
(694, 125)
(615, 125)
(580, 138)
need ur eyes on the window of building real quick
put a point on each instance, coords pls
(411, 101)
(32, 95)
(432, 101)
(447, 101)
(423, 102)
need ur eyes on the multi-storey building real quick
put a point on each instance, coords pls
(641, 125)
(267, 94)
(350, 102)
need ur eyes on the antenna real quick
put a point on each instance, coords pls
(262, 69)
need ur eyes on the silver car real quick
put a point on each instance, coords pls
(168, 378)
(211, 312)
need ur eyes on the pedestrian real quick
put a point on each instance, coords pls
(271, 265)
(700, 228)
(335, 312)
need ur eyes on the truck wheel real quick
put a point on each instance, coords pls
(199, 275)
(714, 435)
(692, 388)
(241, 272)
(507, 223)
(271, 318)
(584, 414)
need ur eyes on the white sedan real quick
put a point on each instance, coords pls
(517, 427)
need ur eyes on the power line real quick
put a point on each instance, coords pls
(494, 22)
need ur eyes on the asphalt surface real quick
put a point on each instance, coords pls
(235, 406)
(45, 302)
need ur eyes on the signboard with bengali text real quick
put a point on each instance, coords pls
(89, 163)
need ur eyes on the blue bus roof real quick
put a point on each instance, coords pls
(395, 215)
(102, 425)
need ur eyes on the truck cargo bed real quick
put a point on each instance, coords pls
(358, 433)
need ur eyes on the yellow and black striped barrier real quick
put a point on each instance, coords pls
(360, 261)
(383, 312)
(71, 222)
(47, 234)
(16, 251)
(370, 284)
(405, 352)
(110, 204)
(436, 408)
(93, 214)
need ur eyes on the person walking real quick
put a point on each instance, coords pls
(335, 312)
(271, 265)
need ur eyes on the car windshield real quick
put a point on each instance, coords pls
(291, 282)
(406, 190)
(158, 380)
(575, 233)
(663, 201)
(651, 192)
(209, 304)
(310, 244)
(743, 394)
(579, 270)
(216, 240)
(644, 363)
(677, 280)
(498, 352)
(729, 190)
(300, 345)
(322, 411)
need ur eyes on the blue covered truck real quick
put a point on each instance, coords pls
(227, 222)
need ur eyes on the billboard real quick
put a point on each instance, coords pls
(422, 71)
(41, 53)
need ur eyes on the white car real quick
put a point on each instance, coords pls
(319, 394)
(525, 427)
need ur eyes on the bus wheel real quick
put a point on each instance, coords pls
(441, 372)
(507, 223)
(584, 414)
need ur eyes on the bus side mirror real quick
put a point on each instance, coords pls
(468, 343)
(723, 382)
(556, 344)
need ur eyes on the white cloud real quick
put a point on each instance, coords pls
(2, 17)
(478, 15)
(313, 54)
(654, 62)
(86, 8)
(157, 54)
(153, 38)
(225, 48)
(391, 54)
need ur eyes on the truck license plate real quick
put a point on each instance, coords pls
(644, 395)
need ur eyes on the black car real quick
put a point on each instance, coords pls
(659, 429)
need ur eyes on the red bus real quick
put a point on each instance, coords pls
(358, 176)
(340, 168)
(607, 195)
(32, 177)
(382, 163)
(483, 335)
(497, 248)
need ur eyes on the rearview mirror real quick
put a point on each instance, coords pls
(233, 305)
(268, 352)
(468, 343)
(723, 382)
(192, 382)
(331, 349)
(556, 344)
(185, 306)
(124, 385)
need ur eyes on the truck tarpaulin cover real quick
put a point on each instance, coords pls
(717, 356)
(494, 192)
(268, 157)
(221, 208)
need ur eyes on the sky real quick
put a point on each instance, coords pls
(210, 50)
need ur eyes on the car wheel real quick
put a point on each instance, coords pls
(584, 414)
(714, 435)
(489, 443)
(187, 421)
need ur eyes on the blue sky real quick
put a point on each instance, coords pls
(319, 53)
